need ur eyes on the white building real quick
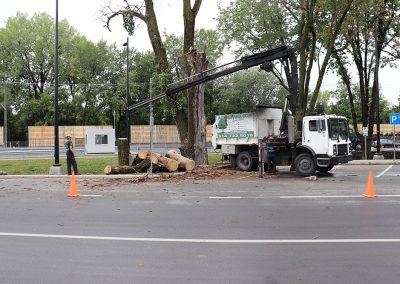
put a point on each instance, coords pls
(100, 141)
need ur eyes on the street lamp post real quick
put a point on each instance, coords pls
(127, 112)
(376, 94)
(56, 169)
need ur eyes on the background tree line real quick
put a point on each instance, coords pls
(92, 79)
(327, 36)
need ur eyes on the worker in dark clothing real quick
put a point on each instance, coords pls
(69, 145)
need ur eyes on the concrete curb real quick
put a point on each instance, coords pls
(166, 175)
(67, 177)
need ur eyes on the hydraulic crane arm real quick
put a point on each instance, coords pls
(263, 59)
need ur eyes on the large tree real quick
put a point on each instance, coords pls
(369, 39)
(191, 124)
(310, 26)
(91, 77)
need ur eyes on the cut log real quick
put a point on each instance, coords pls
(170, 164)
(113, 170)
(139, 168)
(143, 166)
(184, 163)
(142, 155)
(153, 157)
(137, 160)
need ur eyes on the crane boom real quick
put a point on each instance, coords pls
(263, 59)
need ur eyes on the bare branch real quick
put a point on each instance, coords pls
(196, 7)
(107, 13)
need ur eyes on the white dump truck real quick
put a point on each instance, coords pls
(324, 140)
(314, 143)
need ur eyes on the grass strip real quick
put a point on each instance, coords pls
(86, 165)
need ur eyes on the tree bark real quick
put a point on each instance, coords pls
(194, 64)
(139, 168)
(140, 156)
(170, 165)
(189, 19)
(123, 152)
(184, 163)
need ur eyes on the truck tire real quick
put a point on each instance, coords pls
(244, 161)
(325, 169)
(305, 165)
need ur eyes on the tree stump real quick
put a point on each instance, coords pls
(123, 152)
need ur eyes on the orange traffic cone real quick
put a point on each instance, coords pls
(73, 190)
(369, 190)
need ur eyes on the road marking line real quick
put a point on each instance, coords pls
(225, 197)
(177, 240)
(334, 196)
(382, 173)
(91, 195)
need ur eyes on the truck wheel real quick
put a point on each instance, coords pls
(244, 161)
(325, 169)
(304, 164)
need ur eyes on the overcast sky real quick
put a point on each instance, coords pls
(84, 16)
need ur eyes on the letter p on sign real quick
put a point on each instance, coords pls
(394, 118)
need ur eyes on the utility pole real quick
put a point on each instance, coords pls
(127, 112)
(151, 127)
(5, 117)
(376, 94)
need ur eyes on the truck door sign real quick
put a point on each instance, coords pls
(240, 125)
(394, 118)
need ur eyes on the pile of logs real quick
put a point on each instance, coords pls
(170, 162)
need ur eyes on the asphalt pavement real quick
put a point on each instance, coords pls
(233, 229)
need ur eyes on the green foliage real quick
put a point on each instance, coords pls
(254, 24)
(129, 19)
(92, 76)
(205, 41)
(41, 166)
(339, 103)
(242, 91)
(86, 166)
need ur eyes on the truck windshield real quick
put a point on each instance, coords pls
(338, 129)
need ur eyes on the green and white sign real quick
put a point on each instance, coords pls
(238, 125)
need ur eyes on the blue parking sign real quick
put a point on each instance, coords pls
(394, 118)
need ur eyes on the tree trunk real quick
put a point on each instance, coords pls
(195, 143)
(112, 170)
(139, 168)
(123, 152)
(184, 163)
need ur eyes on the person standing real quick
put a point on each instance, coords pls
(69, 145)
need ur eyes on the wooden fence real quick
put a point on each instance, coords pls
(43, 136)
(162, 134)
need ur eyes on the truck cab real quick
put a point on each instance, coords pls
(324, 143)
